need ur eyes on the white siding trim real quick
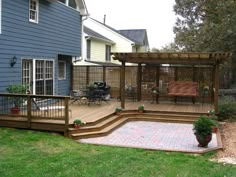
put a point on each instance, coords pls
(0, 16)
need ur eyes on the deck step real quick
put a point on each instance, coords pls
(95, 127)
(102, 132)
(121, 121)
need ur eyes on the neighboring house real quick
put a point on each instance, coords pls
(101, 39)
(139, 36)
(38, 39)
(98, 47)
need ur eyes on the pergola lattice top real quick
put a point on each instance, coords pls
(172, 58)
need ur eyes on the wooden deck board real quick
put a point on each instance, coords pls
(95, 112)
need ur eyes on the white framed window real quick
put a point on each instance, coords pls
(61, 70)
(0, 16)
(33, 11)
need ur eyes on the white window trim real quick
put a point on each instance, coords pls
(37, 12)
(62, 78)
(0, 16)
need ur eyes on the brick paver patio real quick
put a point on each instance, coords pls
(154, 135)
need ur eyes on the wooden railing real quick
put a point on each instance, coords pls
(35, 107)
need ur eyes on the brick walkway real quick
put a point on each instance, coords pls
(154, 135)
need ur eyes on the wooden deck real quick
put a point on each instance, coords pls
(95, 112)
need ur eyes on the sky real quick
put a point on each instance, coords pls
(157, 16)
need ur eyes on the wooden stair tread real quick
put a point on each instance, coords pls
(122, 120)
(161, 114)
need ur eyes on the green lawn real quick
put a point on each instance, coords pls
(37, 154)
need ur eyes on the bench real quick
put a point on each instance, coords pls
(183, 89)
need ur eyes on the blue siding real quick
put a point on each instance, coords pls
(58, 32)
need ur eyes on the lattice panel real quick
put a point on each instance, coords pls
(79, 77)
(95, 74)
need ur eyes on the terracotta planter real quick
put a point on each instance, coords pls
(214, 129)
(203, 142)
(77, 125)
(140, 111)
(118, 113)
(15, 110)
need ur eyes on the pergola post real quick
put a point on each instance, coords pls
(139, 78)
(157, 82)
(122, 85)
(216, 86)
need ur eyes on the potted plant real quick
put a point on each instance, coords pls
(17, 100)
(78, 123)
(141, 108)
(118, 110)
(203, 130)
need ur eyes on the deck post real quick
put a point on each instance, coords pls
(216, 86)
(157, 82)
(66, 102)
(139, 78)
(29, 106)
(122, 85)
(71, 77)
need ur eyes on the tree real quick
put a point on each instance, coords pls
(206, 25)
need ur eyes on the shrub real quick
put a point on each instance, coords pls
(226, 111)
(17, 89)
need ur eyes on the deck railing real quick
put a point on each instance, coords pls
(35, 107)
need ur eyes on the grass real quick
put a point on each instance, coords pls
(37, 154)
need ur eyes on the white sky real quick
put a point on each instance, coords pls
(156, 16)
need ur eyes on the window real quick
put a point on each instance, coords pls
(33, 11)
(61, 70)
(0, 16)
(71, 3)
(108, 53)
(88, 49)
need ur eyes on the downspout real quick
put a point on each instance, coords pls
(82, 33)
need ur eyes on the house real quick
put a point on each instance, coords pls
(101, 39)
(38, 40)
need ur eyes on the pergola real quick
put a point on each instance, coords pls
(179, 58)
